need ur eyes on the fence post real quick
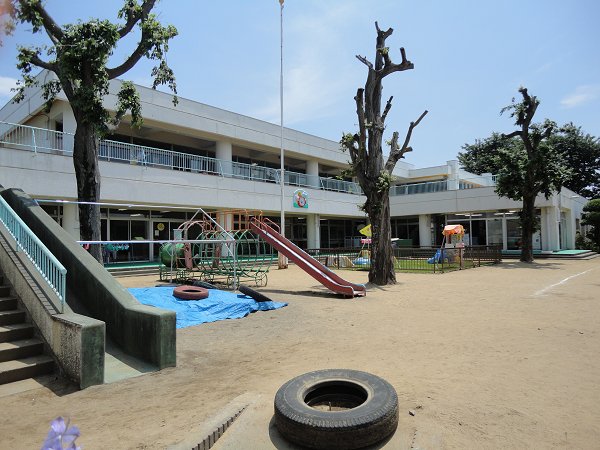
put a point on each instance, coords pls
(34, 145)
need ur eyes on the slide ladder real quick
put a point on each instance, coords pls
(268, 231)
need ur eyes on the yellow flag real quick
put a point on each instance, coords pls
(366, 231)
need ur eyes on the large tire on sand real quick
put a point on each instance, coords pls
(252, 293)
(186, 292)
(336, 409)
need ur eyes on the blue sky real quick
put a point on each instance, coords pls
(470, 58)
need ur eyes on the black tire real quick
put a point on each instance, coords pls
(204, 284)
(372, 417)
(252, 293)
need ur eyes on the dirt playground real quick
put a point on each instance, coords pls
(504, 356)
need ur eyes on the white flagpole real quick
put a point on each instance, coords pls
(282, 259)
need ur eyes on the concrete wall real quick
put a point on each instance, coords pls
(142, 331)
(76, 341)
(125, 183)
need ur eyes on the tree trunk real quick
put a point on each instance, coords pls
(87, 173)
(382, 256)
(527, 228)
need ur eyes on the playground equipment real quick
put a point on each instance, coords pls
(238, 253)
(230, 252)
(269, 231)
(452, 245)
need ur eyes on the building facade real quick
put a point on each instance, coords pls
(195, 155)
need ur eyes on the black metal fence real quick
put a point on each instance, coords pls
(412, 259)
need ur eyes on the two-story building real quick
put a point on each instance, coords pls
(194, 155)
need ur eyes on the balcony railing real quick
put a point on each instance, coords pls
(252, 172)
(419, 188)
(39, 139)
(35, 139)
(443, 185)
(53, 272)
(155, 157)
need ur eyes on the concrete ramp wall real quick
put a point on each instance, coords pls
(142, 331)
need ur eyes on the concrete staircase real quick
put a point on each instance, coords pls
(21, 353)
(117, 271)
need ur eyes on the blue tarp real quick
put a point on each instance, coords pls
(219, 305)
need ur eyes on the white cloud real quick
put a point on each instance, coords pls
(583, 94)
(6, 84)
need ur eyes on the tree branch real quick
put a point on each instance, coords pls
(137, 54)
(403, 54)
(360, 111)
(511, 135)
(133, 18)
(383, 34)
(365, 61)
(388, 106)
(397, 153)
(36, 61)
(54, 31)
(391, 67)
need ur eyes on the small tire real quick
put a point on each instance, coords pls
(203, 284)
(252, 293)
(369, 415)
(186, 292)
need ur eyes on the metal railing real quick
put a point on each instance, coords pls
(40, 139)
(331, 184)
(443, 185)
(477, 182)
(252, 172)
(36, 139)
(44, 261)
(419, 188)
(155, 157)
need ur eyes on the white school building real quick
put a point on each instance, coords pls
(194, 155)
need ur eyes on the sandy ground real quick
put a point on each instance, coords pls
(506, 356)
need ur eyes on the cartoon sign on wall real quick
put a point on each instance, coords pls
(300, 198)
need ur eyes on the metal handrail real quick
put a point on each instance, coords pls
(148, 156)
(44, 261)
(419, 188)
(442, 185)
(108, 150)
(38, 139)
(331, 184)
(41, 139)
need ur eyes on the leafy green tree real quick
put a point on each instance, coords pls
(78, 55)
(581, 152)
(367, 164)
(484, 155)
(591, 217)
(525, 162)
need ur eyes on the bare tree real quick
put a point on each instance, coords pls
(365, 148)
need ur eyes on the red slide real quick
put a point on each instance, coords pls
(306, 262)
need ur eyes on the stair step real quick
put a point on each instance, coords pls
(4, 290)
(12, 316)
(22, 348)
(20, 369)
(8, 303)
(15, 332)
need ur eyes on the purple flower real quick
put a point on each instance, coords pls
(61, 436)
